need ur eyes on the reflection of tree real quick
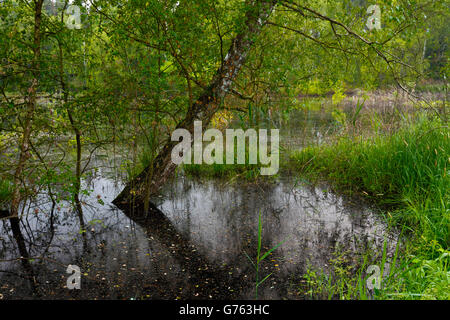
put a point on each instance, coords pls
(210, 278)
(24, 256)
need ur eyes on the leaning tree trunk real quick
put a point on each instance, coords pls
(134, 194)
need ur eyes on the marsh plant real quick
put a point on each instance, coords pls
(260, 257)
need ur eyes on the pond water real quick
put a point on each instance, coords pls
(195, 241)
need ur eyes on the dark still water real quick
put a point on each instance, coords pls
(194, 247)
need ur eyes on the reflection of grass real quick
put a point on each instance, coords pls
(260, 258)
(408, 171)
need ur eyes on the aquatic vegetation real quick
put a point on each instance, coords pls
(215, 170)
(406, 173)
(259, 258)
(345, 278)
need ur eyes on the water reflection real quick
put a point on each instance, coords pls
(222, 221)
(192, 247)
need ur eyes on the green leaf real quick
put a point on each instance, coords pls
(259, 236)
(268, 252)
(265, 278)
(251, 261)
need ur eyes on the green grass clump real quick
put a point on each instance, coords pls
(5, 192)
(222, 170)
(215, 170)
(407, 172)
